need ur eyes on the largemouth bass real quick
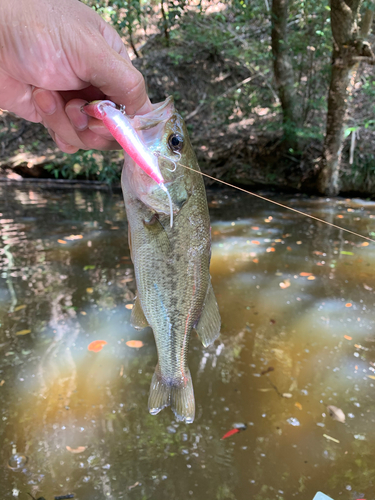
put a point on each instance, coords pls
(171, 260)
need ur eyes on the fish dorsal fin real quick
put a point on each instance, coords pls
(208, 327)
(138, 319)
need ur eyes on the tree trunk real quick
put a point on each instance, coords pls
(283, 69)
(348, 50)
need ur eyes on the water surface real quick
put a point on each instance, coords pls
(297, 304)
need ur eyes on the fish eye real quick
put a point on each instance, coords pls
(175, 142)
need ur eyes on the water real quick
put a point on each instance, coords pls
(297, 304)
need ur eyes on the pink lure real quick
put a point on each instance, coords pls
(123, 131)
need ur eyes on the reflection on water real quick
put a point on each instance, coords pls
(297, 305)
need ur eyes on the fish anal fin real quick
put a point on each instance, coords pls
(208, 326)
(179, 396)
(138, 319)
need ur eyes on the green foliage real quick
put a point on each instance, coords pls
(90, 164)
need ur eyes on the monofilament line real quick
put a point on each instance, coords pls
(280, 204)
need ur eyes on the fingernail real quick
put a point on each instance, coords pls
(45, 100)
(78, 119)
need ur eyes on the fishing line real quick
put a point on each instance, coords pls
(281, 205)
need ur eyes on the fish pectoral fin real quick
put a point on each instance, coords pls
(158, 235)
(179, 396)
(208, 327)
(138, 319)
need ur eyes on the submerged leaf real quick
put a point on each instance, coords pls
(18, 308)
(135, 344)
(23, 332)
(336, 413)
(97, 345)
(80, 449)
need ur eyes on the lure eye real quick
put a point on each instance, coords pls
(175, 142)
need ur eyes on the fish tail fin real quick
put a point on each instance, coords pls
(182, 400)
(180, 397)
(160, 393)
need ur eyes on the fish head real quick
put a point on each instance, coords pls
(164, 133)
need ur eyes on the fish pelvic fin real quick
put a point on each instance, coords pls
(138, 319)
(179, 396)
(208, 326)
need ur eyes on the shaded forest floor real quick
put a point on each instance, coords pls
(236, 142)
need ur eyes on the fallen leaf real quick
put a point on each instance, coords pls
(336, 413)
(2, 383)
(365, 244)
(73, 237)
(349, 304)
(305, 274)
(255, 261)
(347, 337)
(366, 287)
(269, 369)
(284, 284)
(133, 485)
(230, 433)
(287, 395)
(18, 308)
(23, 332)
(87, 268)
(255, 242)
(289, 248)
(63, 242)
(270, 249)
(134, 344)
(255, 228)
(83, 313)
(80, 449)
(129, 306)
(298, 405)
(344, 252)
(96, 345)
(268, 389)
(122, 371)
(340, 216)
(371, 376)
(311, 278)
(89, 290)
(331, 438)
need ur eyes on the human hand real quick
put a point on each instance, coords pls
(55, 55)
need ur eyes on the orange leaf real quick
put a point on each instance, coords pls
(135, 344)
(347, 337)
(97, 345)
(73, 237)
(349, 304)
(310, 278)
(305, 274)
(270, 249)
(255, 228)
(284, 284)
(62, 242)
(129, 306)
(80, 449)
(365, 244)
(298, 405)
(289, 248)
(255, 242)
(340, 216)
(89, 290)
(256, 261)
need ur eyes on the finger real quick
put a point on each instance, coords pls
(91, 132)
(50, 106)
(111, 71)
(16, 97)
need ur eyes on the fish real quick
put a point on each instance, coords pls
(170, 243)
(174, 291)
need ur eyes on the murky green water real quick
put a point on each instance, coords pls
(297, 303)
